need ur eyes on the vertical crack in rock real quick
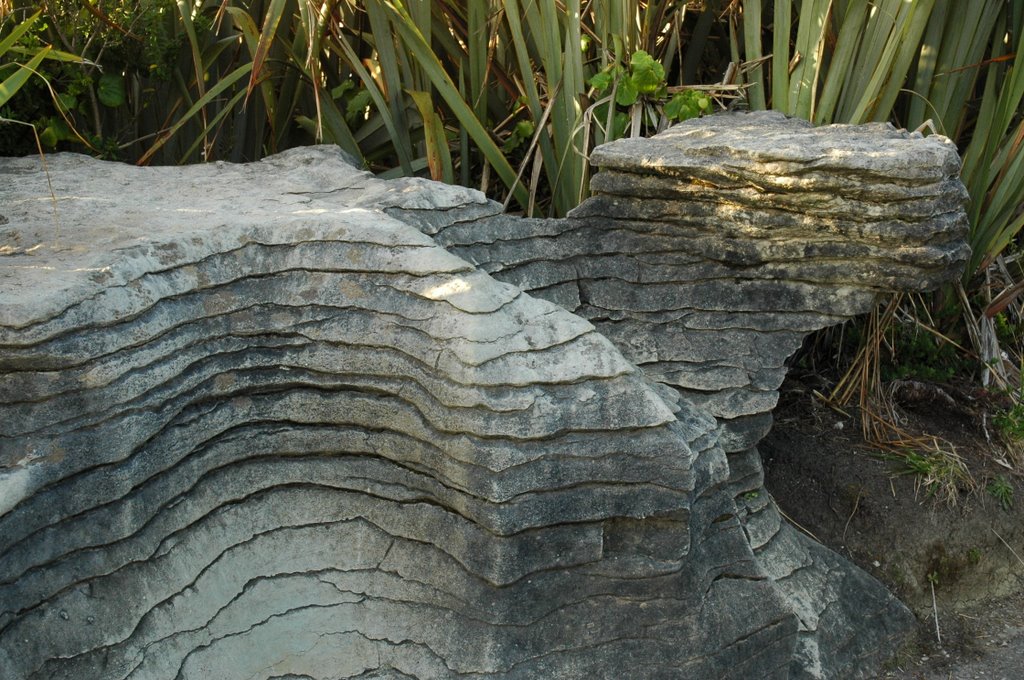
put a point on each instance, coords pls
(309, 425)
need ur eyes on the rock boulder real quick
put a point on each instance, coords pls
(286, 419)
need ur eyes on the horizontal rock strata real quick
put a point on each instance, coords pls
(289, 420)
(273, 432)
(710, 251)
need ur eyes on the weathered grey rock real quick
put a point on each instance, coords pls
(272, 431)
(708, 253)
(256, 422)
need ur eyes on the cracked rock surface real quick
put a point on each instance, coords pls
(286, 419)
(708, 252)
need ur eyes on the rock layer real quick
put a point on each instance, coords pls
(256, 422)
(274, 433)
(709, 252)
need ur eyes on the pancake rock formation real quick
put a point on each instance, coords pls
(288, 420)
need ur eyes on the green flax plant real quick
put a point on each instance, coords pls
(994, 163)
(504, 84)
(13, 74)
(832, 60)
(493, 93)
(22, 55)
(951, 63)
(129, 74)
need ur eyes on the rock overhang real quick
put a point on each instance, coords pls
(294, 350)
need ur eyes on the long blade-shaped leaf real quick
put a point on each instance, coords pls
(15, 81)
(478, 36)
(18, 31)
(52, 55)
(994, 163)
(812, 28)
(921, 108)
(780, 55)
(434, 70)
(388, 58)
(209, 129)
(251, 35)
(752, 51)
(568, 187)
(888, 32)
(513, 16)
(439, 158)
(909, 37)
(200, 104)
(380, 103)
(267, 36)
(843, 60)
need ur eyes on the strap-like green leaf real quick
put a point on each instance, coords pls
(266, 40)
(439, 158)
(221, 85)
(14, 82)
(434, 70)
(19, 30)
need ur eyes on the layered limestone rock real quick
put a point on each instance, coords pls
(266, 432)
(708, 253)
(256, 422)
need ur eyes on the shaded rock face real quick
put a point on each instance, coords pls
(708, 253)
(288, 420)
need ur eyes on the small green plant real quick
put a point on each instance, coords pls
(919, 354)
(643, 89)
(688, 104)
(1008, 332)
(644, 77)
(1010, 423)
(974, 556)
(943, 474)
(1001, 489)
(521, 132)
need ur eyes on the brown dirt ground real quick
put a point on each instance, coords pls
(865, 506)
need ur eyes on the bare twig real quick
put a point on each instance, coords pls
(797, 524)
(46, 170)
(1008, 546)
(856, 504)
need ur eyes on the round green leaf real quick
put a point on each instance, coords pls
(674, 107)
(48, 137)
(110, 89)
(524, 129)
(647, 74)
(601, 81)
(67, 101)
(627, 92)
